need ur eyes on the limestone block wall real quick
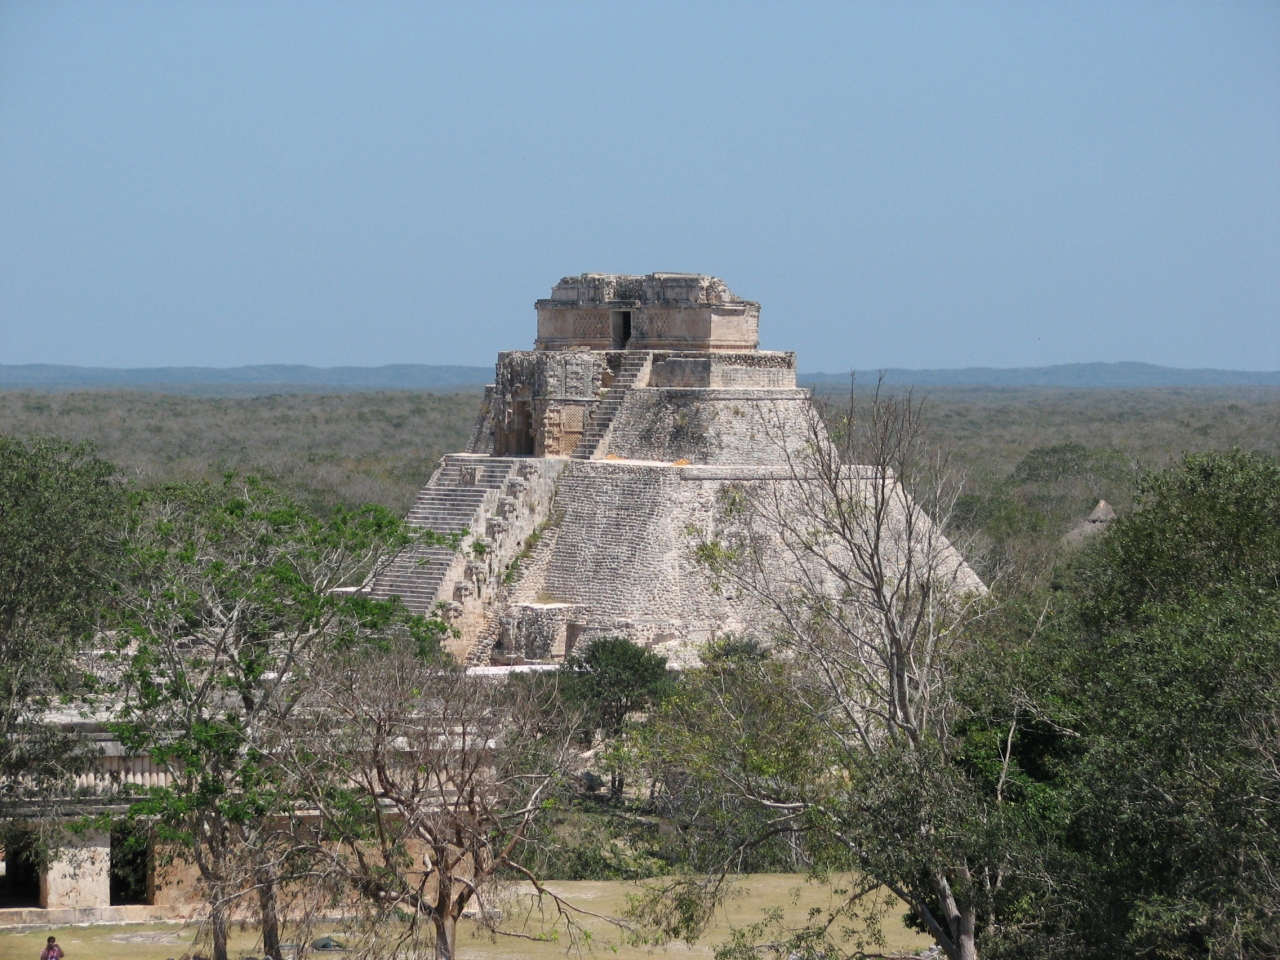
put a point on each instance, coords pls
(81, 875)
(176, 884)
(540, 402)
(727, 327)
(708, 426)
(564, 327)
(482, 434)
(560, 425)
(765, 370)
(618, 559)
(745, 377)
(619, 552)
(664, 311)
(535, 631)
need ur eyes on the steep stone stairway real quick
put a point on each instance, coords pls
(455, 500)
(635, 367)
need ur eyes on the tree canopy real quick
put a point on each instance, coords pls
(1165, 667)
(59, 511)
(227, 597)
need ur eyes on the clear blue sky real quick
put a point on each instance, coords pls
(900, 184)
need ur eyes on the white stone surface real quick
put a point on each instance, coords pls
(81, 876)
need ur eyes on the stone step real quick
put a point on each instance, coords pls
(444, 505)
(429, 504)
(633, 366)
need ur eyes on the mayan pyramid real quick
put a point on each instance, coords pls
(594, 455)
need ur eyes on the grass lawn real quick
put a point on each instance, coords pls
(756, 894)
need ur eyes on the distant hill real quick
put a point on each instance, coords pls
(1115, 376)
(296, 378)
(244, 381)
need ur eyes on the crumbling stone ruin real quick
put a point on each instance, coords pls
(595, 453)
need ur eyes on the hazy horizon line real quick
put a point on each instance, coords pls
(477, 366)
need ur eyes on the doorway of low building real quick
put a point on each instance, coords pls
(130, 865)
(20, 879)
(620, 323)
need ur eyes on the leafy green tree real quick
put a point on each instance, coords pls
(1208, 528)
(59, 510)
(733, 732)
(1162, 674)
(229, 595)
(608, 681)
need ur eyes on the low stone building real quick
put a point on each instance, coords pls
(96, 876)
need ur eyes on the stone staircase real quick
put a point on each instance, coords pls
(635, 368)
(456, 500)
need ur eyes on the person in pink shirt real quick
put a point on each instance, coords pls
(51, 950)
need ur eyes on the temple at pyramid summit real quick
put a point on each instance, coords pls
(595, 454)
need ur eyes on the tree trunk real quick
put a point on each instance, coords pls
(966, 941)
(961, 920)
(616, 784)
(218, 924)
(446, 936)
(269, 916)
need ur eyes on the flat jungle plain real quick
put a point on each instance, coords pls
(1034, 460)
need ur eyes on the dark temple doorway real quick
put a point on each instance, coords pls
(130, 865)
(620, 321)
(521, 443)
(20, 883)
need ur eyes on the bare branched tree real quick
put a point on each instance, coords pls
(424, 783)
(866, 601)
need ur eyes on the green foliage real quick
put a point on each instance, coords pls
(583, 839)
(1106, 786)
(1037, 460)
(59, 510)
(1021, 520)
(325, 451)
(732, 731)
(611, 679)
(1108, 780)
(1143, 723)
(1209, 528)
(1067, 461)
(1175, 789)
(230, 595)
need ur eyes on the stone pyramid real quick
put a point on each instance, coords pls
(594, 455)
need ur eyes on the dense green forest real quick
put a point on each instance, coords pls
(379, 447)
(331, 450)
